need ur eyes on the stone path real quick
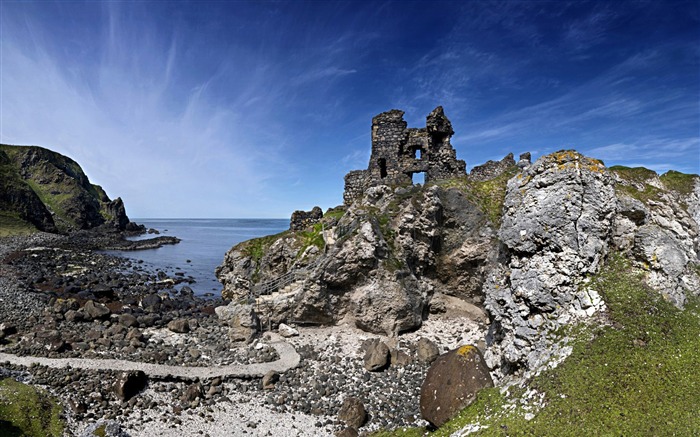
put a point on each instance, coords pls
(289, 359)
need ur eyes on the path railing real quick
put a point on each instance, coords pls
(269, 287)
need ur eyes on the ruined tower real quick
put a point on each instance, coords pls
(399, 152)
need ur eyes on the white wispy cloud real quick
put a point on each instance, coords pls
(121, 120)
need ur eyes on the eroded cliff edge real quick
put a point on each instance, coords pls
(44, 190)
(517, 243)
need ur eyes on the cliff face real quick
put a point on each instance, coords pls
(520, 242)
(51, 192)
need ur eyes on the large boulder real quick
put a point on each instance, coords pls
(376, 355)
(242, 320)
(452, 382)
(129, 384)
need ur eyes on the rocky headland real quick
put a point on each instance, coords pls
(353, 320)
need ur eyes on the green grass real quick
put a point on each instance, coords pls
(311, 237)
(637, 176)
(637, 377)
(257, 247)
(489, 195)
(28, 411)
(681, 183)
(633, 174)
(11, 224)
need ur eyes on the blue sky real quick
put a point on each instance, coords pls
(255, 109)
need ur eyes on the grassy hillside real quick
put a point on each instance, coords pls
(636, 376)
(49, 191)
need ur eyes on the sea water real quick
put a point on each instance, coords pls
(204, 242)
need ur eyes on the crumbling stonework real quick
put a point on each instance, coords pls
(492, 169)
(399, 152)
(303, 219)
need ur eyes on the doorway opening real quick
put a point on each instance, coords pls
(382, 168)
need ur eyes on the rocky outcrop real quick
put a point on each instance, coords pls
(19, 202)
(561, 218)
(657, 225)
(52, 192)
(512, 245)
(556, 230)
(377, 265)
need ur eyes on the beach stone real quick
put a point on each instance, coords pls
(179, 326)
(376, 355)
(128, 320)
(287, 331)
(129, 384)
(74, 316)
(399, 358)
(151, 302)
(426, 350)
(352, 413)
(452, 382)
(96, 310)
(193, 392)
(270, 379)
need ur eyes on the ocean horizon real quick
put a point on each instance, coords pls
(204, 243)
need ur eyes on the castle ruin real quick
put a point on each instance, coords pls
(399, 152)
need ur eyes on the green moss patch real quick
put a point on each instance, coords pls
(257, 247)
(488, 195)
(636, 377)
(11, 224)
(28, 411)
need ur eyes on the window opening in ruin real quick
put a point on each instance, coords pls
(418, 178)
(382, 168)
(417, 152)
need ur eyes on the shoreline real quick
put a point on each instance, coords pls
(40, 290)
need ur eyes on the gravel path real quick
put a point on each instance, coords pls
(289, 359)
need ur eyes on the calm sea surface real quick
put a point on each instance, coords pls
(204, 243)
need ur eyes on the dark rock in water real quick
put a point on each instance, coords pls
(103, 291)
(151, 302)
(376, 355)
(129, 384)
(179, 325)
(96, 310)
(452, 383)
(427, 351)
(353, 413)
(270, 379)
